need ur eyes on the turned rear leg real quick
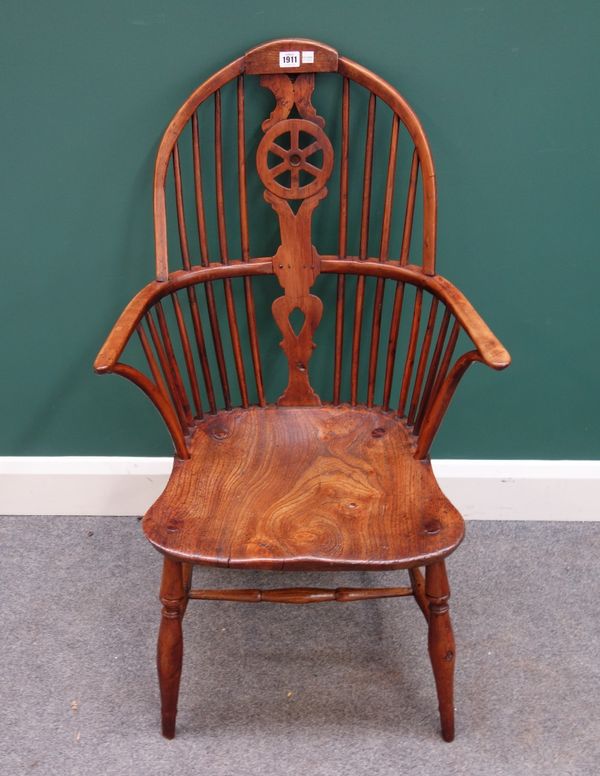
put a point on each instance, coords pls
(441, 644)
(170, 643)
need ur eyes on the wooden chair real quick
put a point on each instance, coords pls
(334, 474)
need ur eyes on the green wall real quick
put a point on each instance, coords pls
(508, 95)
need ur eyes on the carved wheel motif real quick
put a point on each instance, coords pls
(295, 159)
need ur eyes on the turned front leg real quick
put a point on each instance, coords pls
(170, 643)
(187, 570)
(441, 644)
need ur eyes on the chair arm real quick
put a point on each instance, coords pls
(491, 350)
(440, 403)
(108, 361)
(488, 350)
(126, 324)
(489, 347)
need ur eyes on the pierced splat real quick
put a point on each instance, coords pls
(295, 159)
(298, 347)
(297, 320)
(303, 160)
(287, 93)
(296, 264)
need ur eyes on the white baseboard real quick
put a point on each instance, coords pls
(522, 490)
(481, 490)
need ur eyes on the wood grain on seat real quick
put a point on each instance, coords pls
(305, 488)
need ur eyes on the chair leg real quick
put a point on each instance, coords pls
(441, 644)
(417, 582)
(187, 571)
(170, 643)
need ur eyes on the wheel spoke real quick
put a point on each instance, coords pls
(308, 167)
(295, 174)
(311, 149)
(276, 149)
(294, 135)
(278, 169)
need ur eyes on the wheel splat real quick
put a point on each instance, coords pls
(296, 174)
(296, 158)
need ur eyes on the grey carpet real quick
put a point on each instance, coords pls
(326, 689)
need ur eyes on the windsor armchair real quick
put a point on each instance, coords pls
(327, 468)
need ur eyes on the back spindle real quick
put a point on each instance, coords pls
(245, 243)
(393, 343)
(432, 371)
(364, 247)
(173, 366)
(424, 355)
(342, 243)
(183, 240)
(410, 209)
(224, 251)
(187, 354)
(174, 393)
(208, 288)
(154, 369)
(198, 192)
(383, 256)
(386, 224)
(201, 347)
(447, 358)
(412, 349)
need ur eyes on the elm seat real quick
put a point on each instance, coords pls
(303, 488)
(332, 473)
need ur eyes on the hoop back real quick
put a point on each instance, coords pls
(294, 161)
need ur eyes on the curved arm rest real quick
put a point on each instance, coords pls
(491, 350)
(127, 322)
(125, 326)
(489, 347)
